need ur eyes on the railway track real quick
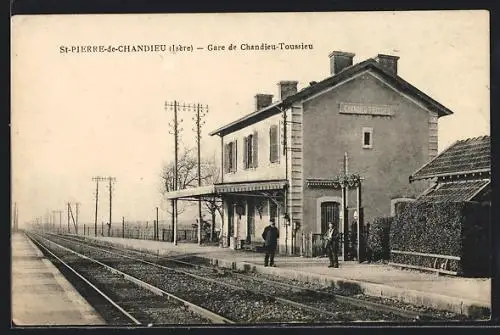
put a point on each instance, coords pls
(332, 306)
(235, 303)
(377, 304)
(133, 301)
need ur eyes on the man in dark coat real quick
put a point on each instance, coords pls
(332, 245)
(270, 236)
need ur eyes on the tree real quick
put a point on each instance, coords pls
(211, 172)
(187, 176)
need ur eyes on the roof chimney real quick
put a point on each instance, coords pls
(388, 63)
(263, 100)
(287, 88)
(339, 60)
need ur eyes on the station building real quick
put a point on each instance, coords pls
(307, 155)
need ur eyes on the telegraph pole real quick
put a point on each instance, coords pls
(77, 219)
(97, 180)
(111, 180)
(69, 209)
(173, 106)
(201, 111)
(156, 228)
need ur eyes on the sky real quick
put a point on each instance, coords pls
(79, 115)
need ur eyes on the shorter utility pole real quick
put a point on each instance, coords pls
(123, 227)
(76, 223)
(97, 180)
(69, 209)
(156, 228)
(110, 180)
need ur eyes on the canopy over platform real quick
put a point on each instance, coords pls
(217, 190)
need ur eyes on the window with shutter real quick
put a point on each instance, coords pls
(245, 152)
(273, 144)
(226, 157)
(230, 156)
(255, 151)
(235, 153)
(250, 150)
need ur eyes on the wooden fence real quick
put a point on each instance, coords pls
(187, 235)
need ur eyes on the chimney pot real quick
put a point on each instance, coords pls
(340, 60)
(388, 62)
(287, 88)
(263, 100)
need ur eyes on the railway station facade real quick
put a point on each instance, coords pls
(337, 150)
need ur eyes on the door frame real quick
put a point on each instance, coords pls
(338, 200)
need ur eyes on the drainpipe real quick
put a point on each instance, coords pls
(285, 151)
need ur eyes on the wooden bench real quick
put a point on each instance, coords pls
(440, 263)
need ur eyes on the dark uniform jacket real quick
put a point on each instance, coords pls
(270, 236)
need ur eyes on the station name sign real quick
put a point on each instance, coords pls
(365, 109)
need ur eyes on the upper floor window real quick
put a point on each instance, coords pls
(250, 151)
(367, 138)
(274, 144)
(230, 154)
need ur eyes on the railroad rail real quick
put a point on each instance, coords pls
(355, 302)
(249, 305)
(87, 282)
(204, 313)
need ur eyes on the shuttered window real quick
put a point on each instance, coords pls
(250, 151)
(245, 152)
(226, 158)
(235, 155)
(273, 144)
(255, 149)
(230, 157)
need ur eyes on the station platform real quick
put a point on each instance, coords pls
(41, 296)
(467, 296)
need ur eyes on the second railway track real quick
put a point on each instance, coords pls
(133, 301)
(300, 304)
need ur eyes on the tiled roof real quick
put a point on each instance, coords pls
(455, 191)
(331, 81)
(465, 156)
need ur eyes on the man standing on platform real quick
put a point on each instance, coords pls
(270, 236)
(332, 245)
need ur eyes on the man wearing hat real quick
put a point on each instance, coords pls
(270, 236)
(332, 245)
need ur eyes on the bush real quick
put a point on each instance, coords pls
(400, 206)
(379, 238)
(446, 228)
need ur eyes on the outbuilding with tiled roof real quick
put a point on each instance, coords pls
(462, 172)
